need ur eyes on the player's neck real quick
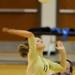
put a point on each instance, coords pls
(40, 52)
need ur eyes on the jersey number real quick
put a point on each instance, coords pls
(45, 67)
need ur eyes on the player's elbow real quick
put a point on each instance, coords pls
(64, 68)
(61, 69)
(30, 34)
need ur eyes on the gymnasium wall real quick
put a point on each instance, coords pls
(17, 14)
(66, 15)
(66, 19)
(49, 19)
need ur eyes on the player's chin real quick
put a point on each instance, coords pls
(41, 47)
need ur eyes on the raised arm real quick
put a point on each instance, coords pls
(21, 33)
(62, 54)
(25, 34)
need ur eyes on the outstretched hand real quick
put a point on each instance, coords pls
(21, 33)
(4, 29)
(59, 46)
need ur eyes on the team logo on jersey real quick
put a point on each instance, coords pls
(45, 68)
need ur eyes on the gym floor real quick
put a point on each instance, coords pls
(15, 69)
(12, 69)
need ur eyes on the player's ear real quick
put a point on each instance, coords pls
(23, 50)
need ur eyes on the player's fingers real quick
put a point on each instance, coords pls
(59, 43)
(4, 29)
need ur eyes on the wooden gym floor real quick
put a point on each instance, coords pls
(14, 69)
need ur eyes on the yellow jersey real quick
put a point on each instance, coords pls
(38, 65)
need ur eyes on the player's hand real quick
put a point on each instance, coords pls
(4, 29)
(59, 46)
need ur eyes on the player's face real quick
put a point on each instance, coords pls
(39, 43)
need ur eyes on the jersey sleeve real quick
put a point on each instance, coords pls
(32, 47)
(55, 67)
